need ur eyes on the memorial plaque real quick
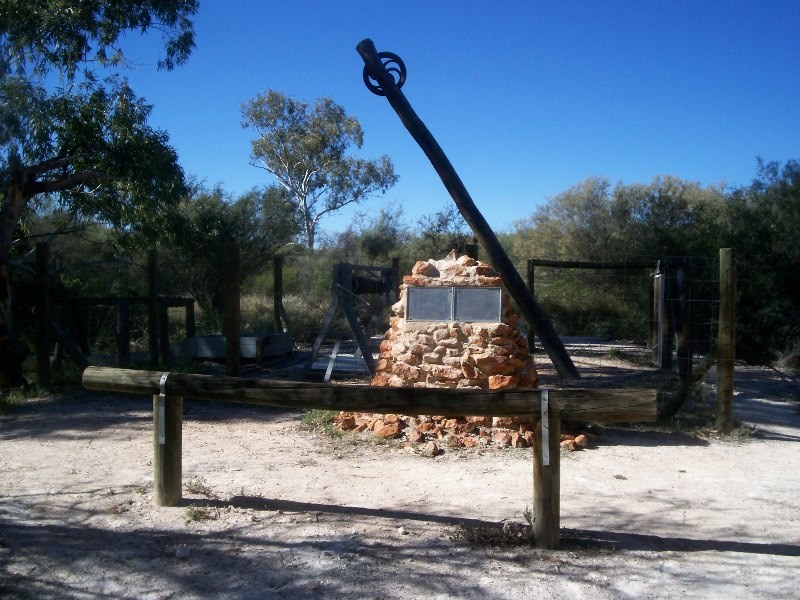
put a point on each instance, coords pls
(478, 304)
(430, 304)
(454, 304)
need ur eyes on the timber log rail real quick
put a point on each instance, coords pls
(548, 406)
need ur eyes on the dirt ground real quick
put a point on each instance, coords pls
(279, 512)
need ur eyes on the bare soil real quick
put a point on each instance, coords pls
(280, 512)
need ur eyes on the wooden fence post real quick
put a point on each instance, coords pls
(42, 315)
(653, 340)
(727, 346)
(278, 311)
(163, 330)
(189, 318)
(232, 316)
(664, 321)
(167, 447)
(547, 483)
(152, 305)
(396, 278)
(77, 312)
(531, 287)
(123, 331)
(685, 350)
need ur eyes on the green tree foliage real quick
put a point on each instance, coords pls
(64, 35)
(204, 226)
(669, 217)
(386, 236)
(86, 144)
(440, 232)
(762, 225)
(593, 221)
(306, 149)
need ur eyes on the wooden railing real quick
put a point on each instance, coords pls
(571, 404)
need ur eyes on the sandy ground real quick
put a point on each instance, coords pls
(297, 514)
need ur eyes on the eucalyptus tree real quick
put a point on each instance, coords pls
(385, 236)
(306, 149)
(71, 128)
(761, 224)
(206, 224)
(440, 232)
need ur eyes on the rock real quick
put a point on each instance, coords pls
(445, 372)
(502, 382)
(454, 441)
(452, 361)
(391, 430)
(424, 268)
(502, 437)
(504, 422)
(409, 358)
(469, 370)
(415, 436)
(347, 422)
(431, 449)
(381, 379)
(432, 358)
(410, 421)
(489, 281)
(581, 441)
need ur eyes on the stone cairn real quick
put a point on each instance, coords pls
(447, 354)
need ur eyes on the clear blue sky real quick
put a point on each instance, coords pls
(526, 98)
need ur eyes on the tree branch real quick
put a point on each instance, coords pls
(52, 164)
(70, 181)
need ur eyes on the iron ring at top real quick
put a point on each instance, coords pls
(392, 64)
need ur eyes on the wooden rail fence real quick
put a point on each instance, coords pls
(548, 406)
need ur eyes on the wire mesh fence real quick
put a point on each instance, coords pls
(307, 283)
(670, 304)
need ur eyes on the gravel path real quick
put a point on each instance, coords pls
(278, 512)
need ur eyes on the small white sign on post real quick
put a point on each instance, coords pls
(162, 408)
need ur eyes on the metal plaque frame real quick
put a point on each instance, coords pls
(464, 304)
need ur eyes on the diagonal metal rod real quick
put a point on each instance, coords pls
(376, 70)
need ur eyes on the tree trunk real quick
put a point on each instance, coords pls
(10, 354)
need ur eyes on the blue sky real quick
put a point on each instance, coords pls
(526, 98)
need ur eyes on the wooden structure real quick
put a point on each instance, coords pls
(578, 264)
(349, 283)
(158, 324)
(549, 407)
(379, 74)
(727, 339)
(75, 342)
